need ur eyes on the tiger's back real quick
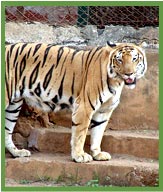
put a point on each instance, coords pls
(47, 76)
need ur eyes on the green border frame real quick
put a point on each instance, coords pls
(79, 3)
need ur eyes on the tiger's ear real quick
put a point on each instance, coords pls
(142, 44)
(111, 44)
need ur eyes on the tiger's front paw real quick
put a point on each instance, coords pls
(83, 158)
(102, 156)
(21, 153)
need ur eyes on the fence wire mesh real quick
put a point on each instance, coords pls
(135, 16)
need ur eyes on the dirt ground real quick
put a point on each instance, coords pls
(39, 183)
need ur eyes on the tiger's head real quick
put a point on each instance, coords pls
(128, 61)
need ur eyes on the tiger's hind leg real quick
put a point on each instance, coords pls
(12, 113)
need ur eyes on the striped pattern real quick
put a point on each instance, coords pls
(54, 77)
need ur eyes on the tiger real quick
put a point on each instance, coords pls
(88, 82)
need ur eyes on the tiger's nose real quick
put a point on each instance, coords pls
(128, 74)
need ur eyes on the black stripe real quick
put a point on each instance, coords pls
(50, 105)
(22, 86)
(11, 120)
(23, 46)
(16, 101)
(34, 75)
(73, 82)
(8, 62)
(36, 58)
(7, 129)
(87, 65)
(73, 55)
(45, 55)
(14, 110)
(16, 56)
(90, 102)
(75, 124)
(11, 48)
(60, 90)
(64, 106)
(55, 99)
(22, 65)
(7, 88)
(49, 92)
(97, 49)
(99, 54)
(29, 52)
(31, 93)
(100, 98)
(37, 47)
(88, 57)
(52, 44)
(101, 78)
(71, 100)
(110, 88)
(64, 62)
(38, 90)
(96, 123)
(11, 88)
(59, 55)
(48, 77)
(16, 77)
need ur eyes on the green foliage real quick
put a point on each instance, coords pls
(93, 183)
(24, 182)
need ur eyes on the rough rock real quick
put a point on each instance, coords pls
(120, 171)
(89, 35)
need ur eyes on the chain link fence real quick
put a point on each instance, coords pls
(82, 26)
(136, 16)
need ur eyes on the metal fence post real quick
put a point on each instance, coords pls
(83, 16)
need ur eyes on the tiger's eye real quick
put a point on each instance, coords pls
(134, 59)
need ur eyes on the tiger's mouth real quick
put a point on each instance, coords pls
(130, 81)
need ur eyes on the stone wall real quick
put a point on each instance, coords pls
(89, 35)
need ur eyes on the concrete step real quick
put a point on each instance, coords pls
(56, 168)
(139, 143)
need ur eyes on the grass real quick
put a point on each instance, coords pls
(93, 183)
(24, 182)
